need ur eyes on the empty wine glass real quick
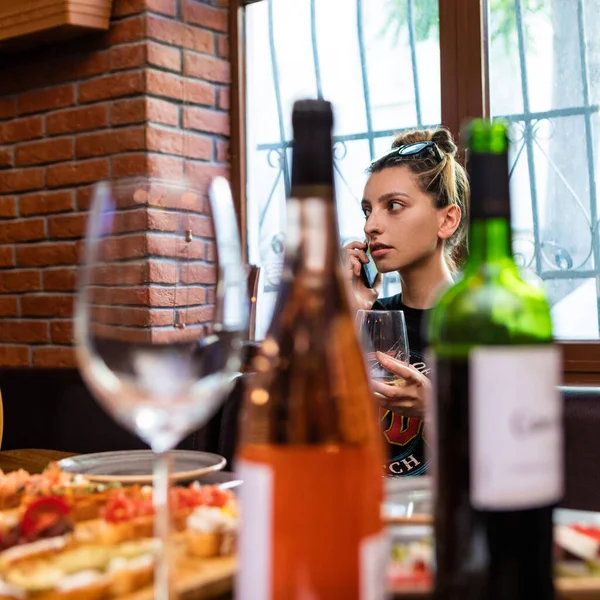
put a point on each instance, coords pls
(382, 331)
(161, 307)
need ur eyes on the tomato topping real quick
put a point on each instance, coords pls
(120, 508)
(593, 532)
(42, 514)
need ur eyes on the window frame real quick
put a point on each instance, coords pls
(464, 95)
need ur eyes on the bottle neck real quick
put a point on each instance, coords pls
(312, 245)
(489, 242)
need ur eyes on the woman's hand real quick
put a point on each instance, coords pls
(408, 394)
(354, 255)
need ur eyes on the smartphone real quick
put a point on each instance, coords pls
(368, 271)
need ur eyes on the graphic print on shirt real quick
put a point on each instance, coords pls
(404, 436)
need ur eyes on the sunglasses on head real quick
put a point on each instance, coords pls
(415, 151)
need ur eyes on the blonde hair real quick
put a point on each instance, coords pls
(444, 180)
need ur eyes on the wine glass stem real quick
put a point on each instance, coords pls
(162, 527)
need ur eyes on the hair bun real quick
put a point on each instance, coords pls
(443, 138)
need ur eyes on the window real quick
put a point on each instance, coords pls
(540, 69)
(382, 76)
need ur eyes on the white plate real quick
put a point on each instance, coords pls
(135, 466)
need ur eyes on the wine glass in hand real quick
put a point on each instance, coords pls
(159, 316)
(382, 331)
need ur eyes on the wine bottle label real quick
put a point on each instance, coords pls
(374, 551)
(256, 493)
(515, 427)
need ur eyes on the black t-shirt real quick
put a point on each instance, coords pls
(404, 436)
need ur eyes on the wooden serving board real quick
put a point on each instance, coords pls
(199, 580)
(568, 588)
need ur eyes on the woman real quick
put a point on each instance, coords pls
(415, 205)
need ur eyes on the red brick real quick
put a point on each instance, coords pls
(44, 151)
(59, 280)
(222, 151)
(203, 119)
(165, 167)
(200, 40)
(67, 226)
(23, 332)
(9, 306)
(112, 86)
(6, 158)
(224, 101)
(200, 175)
(46, 202)
(223, 46)
(133, 316)
(181, 143)
(174, 247)
(198, 92)
(27, 230)
(8, 108)
(126, 246)
(122, 8)
(124, 112)
(166, 7)
(7, 256)
(171, 334)
(78, 66)
(164, 30)
(77, 119)
(208, 68)
(127, 57)
(223, 3)
(20, 281)
(125, 31)
(169, 85)
(47, 305)
(21, 180)
(84, 197)
(198, 274)
(129, 334)
(120, 274)
(202, 314)
(164, 56)
(197, 147)
(14, 356)
(159, 220)
(211, 255)
(8, 206)
(129, 164)
(168, 141)
(162, 272)
(18, 130)
(74, 173)
(54, 356)
(162, 111)
(50, 98)
(110, 142)
(23, 75)
(61, 332)
(47, 254)
(200, 14)
(131, 220)
(201, 226)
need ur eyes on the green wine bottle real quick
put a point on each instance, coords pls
(496, 430)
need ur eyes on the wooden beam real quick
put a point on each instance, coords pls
(463, 62)
(237, 147)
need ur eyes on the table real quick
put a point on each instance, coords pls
(36, 460)
(32, 460)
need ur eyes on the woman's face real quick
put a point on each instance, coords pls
(402, 224)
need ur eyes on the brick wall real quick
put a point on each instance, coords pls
(150, 96)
